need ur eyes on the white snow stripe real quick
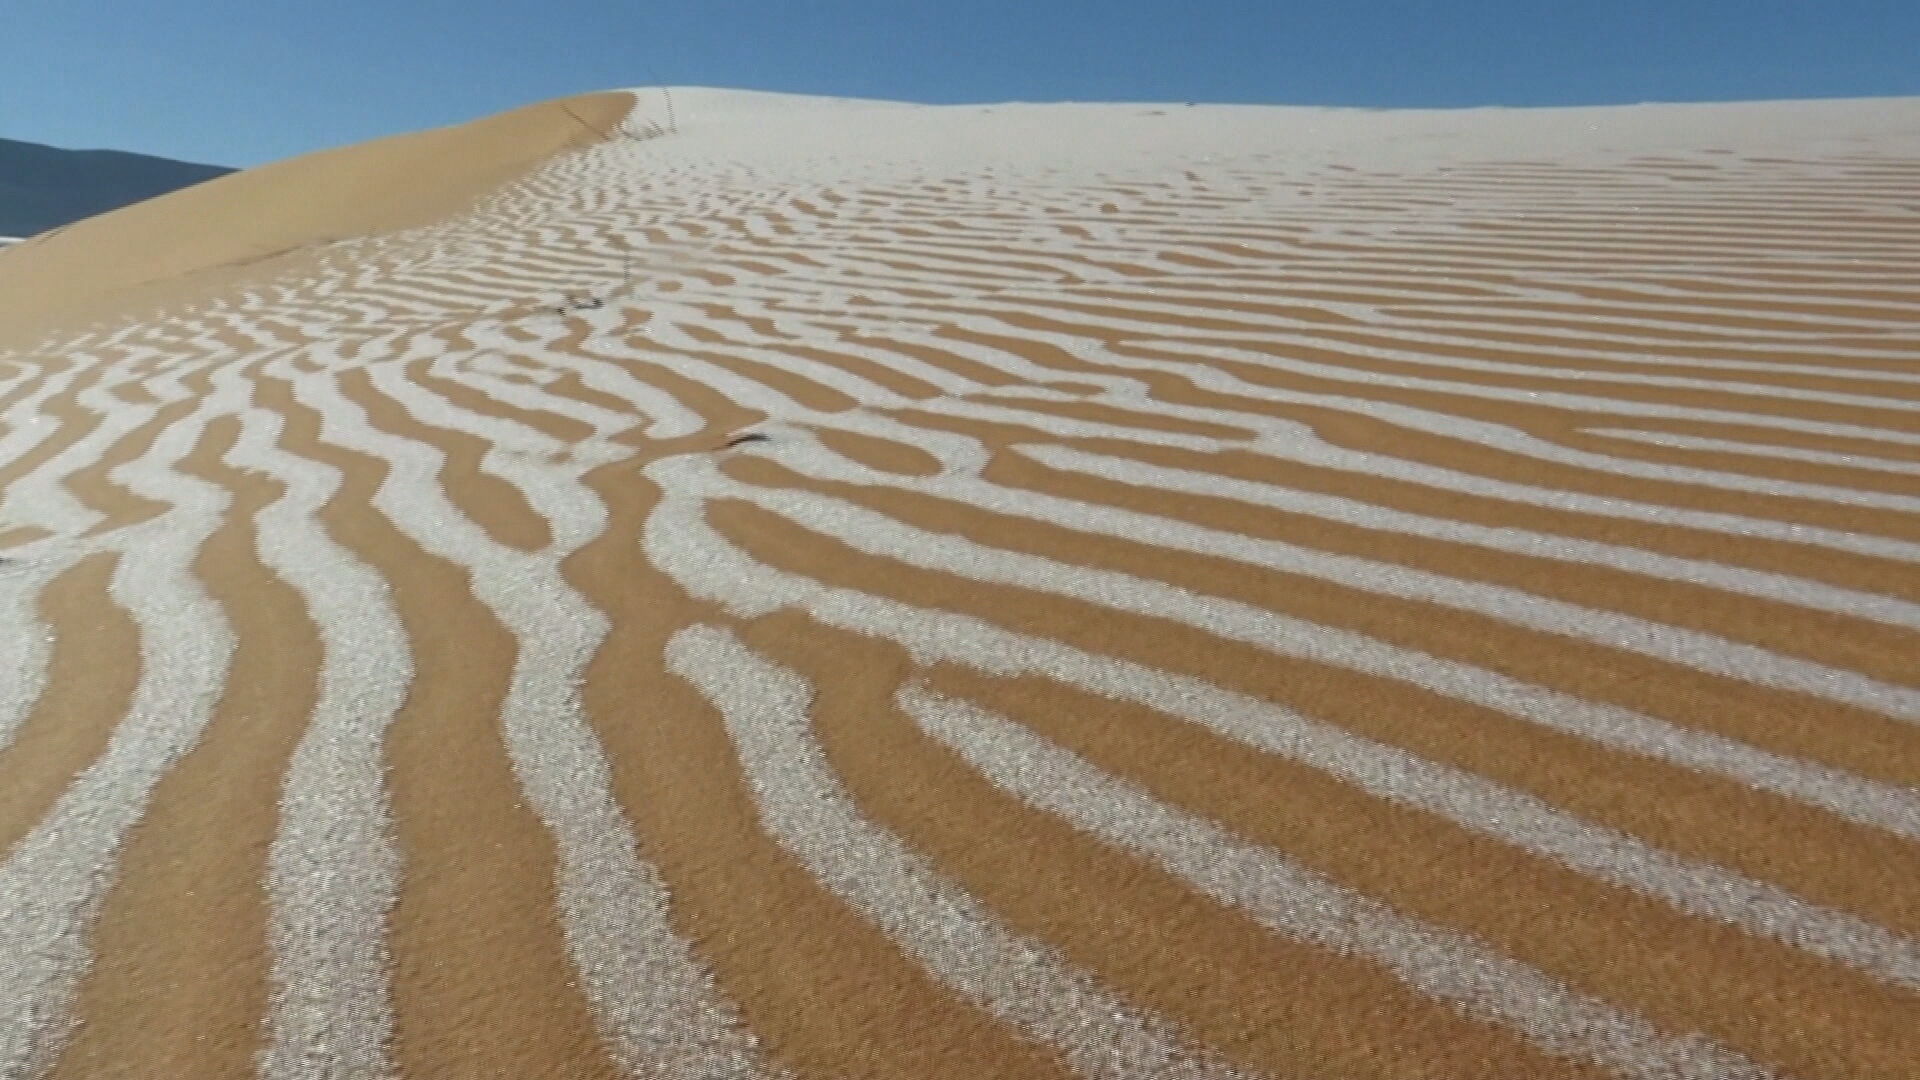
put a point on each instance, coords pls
(681, 544)
(333, 869)
(54, 881)
(1780, 588)
(1019, 980)
(656, 1005)
(1297, 902)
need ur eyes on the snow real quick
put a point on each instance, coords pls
(749, 129)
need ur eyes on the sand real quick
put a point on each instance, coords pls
(173, 248)
(847, 589)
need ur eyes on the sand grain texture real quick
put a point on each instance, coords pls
(845, 589)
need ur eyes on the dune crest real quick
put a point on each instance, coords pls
(222, 230)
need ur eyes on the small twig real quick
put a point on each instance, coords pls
(577, 119)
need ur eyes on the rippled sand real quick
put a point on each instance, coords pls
(820, 588)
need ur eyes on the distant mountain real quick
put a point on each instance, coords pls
(44, 187)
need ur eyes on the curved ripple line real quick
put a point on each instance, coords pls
(55, 880)
(333, 868)
(1016, 978)
(682, 545)
(1854, 798)
(659, 1009)
(1296, 902)
(1765, 585)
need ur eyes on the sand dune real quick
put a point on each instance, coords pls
(834, 588)
(177, 247)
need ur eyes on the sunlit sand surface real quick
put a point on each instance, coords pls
(800, 587)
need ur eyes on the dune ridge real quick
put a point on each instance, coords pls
(850, 589)
(168, 249)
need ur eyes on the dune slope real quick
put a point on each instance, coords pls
(174, 248)
(844, 589)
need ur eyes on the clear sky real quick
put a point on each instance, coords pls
(239, 82)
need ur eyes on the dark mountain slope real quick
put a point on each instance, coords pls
(44, 187)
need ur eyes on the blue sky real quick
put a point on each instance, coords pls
(244, 81)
